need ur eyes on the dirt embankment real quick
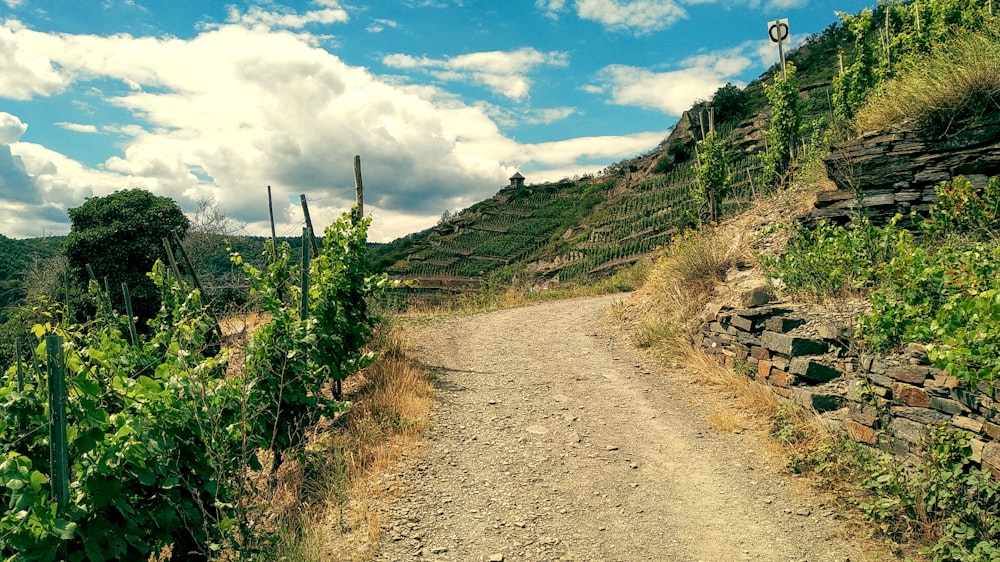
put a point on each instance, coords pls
(554, 440)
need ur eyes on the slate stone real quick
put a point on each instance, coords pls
(783, 324)
(791, 345)
(913, 374)
(819, 401)
(813, 370)
(745, 324)
(921, 415)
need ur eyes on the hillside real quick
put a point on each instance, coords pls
(580, 230)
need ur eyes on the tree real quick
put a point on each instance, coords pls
(120, 236)
(730, 103)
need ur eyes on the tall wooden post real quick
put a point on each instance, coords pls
(270, 214)
(172, 261)
(304, 309)
(131, 319)
(20, 372)
(309, 225)
(359, 190)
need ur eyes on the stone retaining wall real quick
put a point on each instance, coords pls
(896, 171)
(887, 402)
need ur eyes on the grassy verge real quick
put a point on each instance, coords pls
(337, 487)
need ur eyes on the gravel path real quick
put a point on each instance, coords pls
(554, 440)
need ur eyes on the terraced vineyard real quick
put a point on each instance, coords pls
(583, 230)
(567, 232)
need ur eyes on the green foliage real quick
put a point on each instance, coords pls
(731, 104)
(963, 209)
(294, 357)
(895, 37)
(120, 236)
(714, 182)
(152, 456)
(786, 120)
(831, 261)
(954, 503)
(943, 289)
(161, 436)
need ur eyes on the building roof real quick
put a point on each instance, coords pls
(517, 176)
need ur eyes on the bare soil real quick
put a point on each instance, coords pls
(553, 439)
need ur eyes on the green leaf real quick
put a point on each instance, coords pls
(38, 480)
(62, 529)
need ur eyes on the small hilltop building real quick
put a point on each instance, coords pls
(516, 181)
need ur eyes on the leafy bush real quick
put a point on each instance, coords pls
(831, 261)
(956, 505)
(293, 357)
(731, 104)
(153, 459)
(714, 182)
(943, 289)
(120, 236)
(786, 119)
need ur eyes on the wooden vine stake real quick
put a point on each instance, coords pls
(131, 319)
(359, 191)
(58, 445)
(270, 213)
(304, 309)
(20, 371)
(309, 225)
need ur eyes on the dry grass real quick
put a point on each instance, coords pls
(743, 403)
(326, 506)
(960, 79)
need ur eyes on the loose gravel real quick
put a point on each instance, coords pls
(554, 440)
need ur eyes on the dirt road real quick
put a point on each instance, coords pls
(553, 440)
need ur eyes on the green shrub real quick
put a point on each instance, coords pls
(955, 504)
(944, 288)
(831, 261)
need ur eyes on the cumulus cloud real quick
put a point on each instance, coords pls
(673, 91)
(638, 16)
(23, 72)
(642, 17)
(239, 107)
(330, 12)
(11, 128)
(503, 72)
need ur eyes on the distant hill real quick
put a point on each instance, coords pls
(581, 230)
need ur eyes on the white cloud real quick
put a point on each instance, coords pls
(674, 91)
(13, 3)
(637, 16)
(77, 127)
(378, 25)
(23, 72)
(551, 7)
(330, 13)
(237, 108)
(11, 128)
(503, 72)
(642, 17)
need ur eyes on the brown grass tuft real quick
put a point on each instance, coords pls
(960, 79)
(325, 505)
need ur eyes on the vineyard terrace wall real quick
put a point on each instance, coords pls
(893, 172)
(889, 402)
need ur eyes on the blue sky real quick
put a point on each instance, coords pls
(443, 99)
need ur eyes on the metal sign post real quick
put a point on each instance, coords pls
(777, 30)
